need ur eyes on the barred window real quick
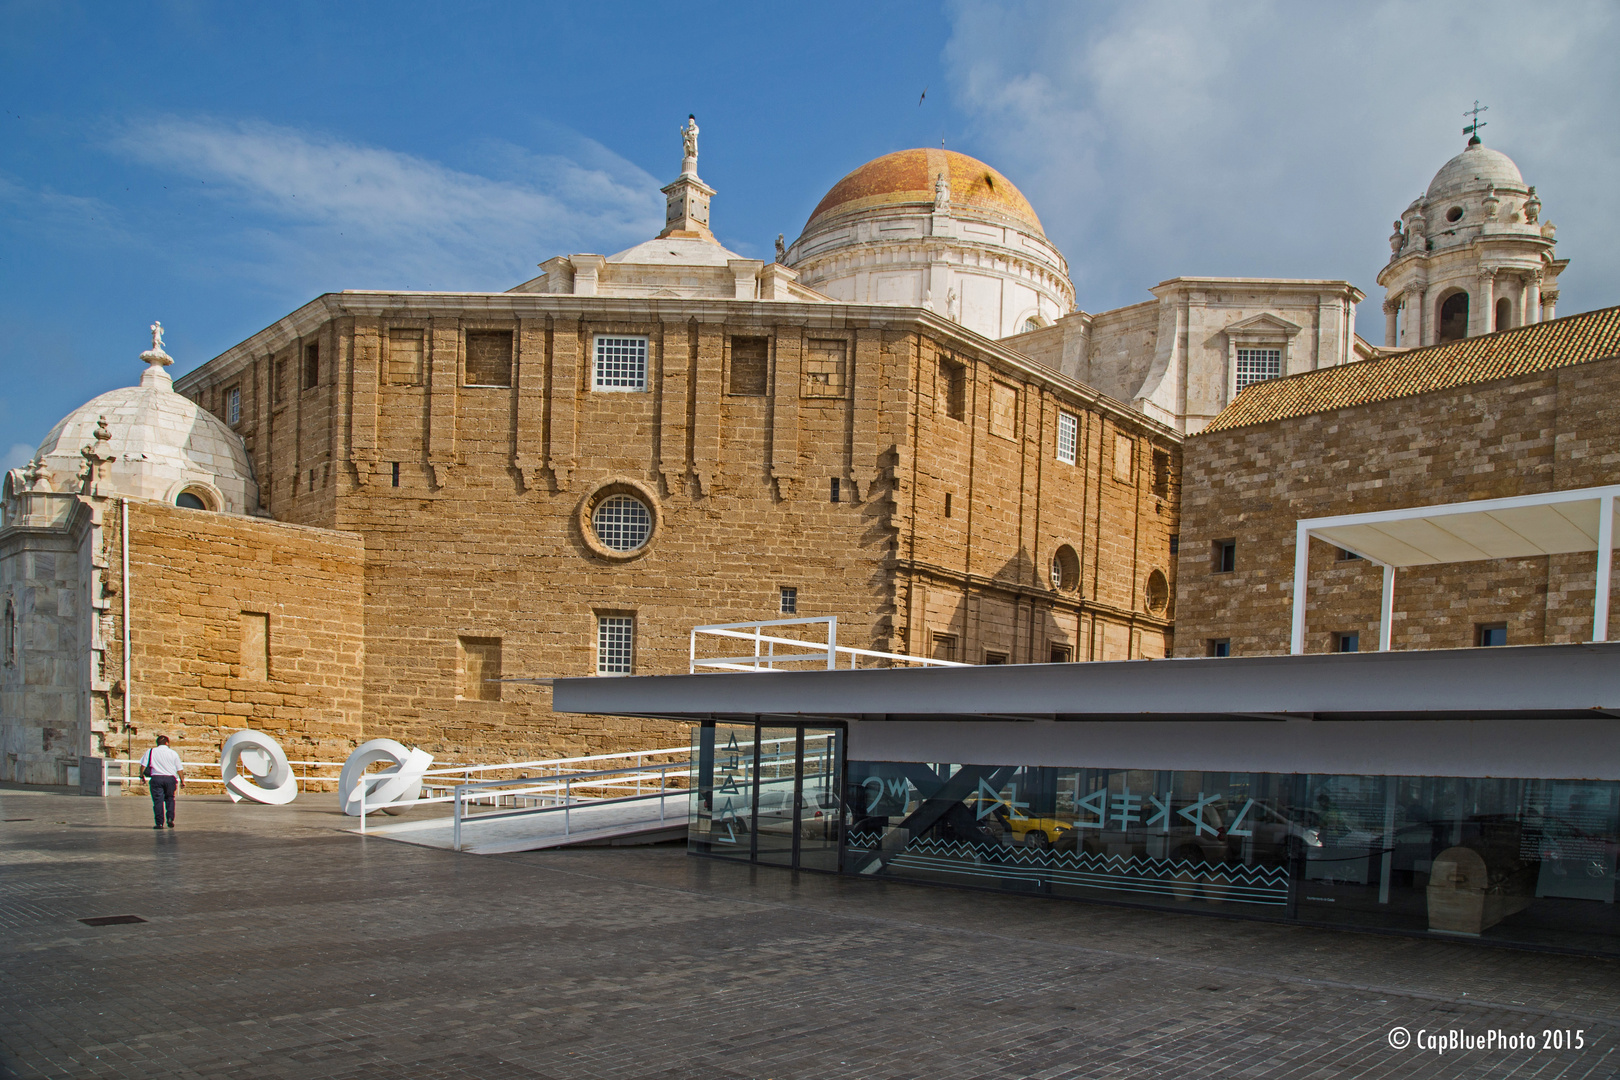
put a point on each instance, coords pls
(1068, 437)
(790, 600)
(1257, 365)
(622, 522)
(615, 644)
(621, 363)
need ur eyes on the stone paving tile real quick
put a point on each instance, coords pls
(278, 945)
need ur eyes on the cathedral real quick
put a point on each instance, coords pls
(359, 520)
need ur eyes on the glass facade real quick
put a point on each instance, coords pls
(1525, 861)
(1530, 862)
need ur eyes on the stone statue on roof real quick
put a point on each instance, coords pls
(689, 135)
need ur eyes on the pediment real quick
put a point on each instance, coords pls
(1263, 325)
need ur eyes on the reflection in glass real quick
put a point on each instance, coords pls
(1523, 860)
(721, 819)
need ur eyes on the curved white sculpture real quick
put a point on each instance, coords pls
(385, 790)
(270, 779)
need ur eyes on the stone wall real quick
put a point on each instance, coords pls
(471, 499)
(203, 589)
(1530, 434)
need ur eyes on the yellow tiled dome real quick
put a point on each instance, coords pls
(906, 177)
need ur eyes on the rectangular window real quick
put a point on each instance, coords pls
(404, 364)
(1068, 437)
(1350, 642)
(1220, 646)
(312, 365)
(750, 357)
(615, 644)
(480, 668)
(944, 647)
(835, 492)
(953, 389)
(1062, 654)
(994, 659)
(1175, 543)
(790, 600)
(254, 657)
(621, 363)
(1256, 365)
(1161, 474)
(489, 358)
(1124, 457)
(1345, 555)
(825, 365)
(278, 392)
(947, 504)
(396, 474)
(1224, 557)
(1489, 634)
(233, 405)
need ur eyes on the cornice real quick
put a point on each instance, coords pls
(812, 314)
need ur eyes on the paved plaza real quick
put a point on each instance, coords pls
(277, 944)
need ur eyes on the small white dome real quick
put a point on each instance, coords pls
(162, 445)
(1476, 166)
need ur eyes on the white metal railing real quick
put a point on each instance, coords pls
(766, 658)
(561, 794)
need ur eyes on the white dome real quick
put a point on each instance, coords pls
(1476, 166)
(161, 443)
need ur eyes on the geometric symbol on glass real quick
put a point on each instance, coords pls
(989, 800)
(269, 780)
(385, 790)
(1195, 814)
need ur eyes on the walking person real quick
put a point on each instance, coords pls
(164, 772)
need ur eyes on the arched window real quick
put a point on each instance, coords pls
(1504, 314)
(192, 499)
(1454, 317)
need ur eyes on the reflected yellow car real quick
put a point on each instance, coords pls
(1034, 831)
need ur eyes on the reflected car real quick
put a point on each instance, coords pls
(1035, 831)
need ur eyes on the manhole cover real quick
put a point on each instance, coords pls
(112, 920)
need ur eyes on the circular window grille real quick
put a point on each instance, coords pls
(622, 522)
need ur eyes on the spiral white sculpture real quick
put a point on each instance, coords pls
(269, 780)
(387, 789)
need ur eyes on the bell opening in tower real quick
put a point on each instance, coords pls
(1454, 317)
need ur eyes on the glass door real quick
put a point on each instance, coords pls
(821, 814)
(777, 817)
(721, 817)
(767, 794)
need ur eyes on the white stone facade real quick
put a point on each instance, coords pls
(1176, 358)
(1470, 256)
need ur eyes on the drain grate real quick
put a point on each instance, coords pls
(112, 920)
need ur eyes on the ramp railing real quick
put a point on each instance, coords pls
(565, 793)
(766, 657)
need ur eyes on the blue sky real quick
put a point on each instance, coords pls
(216, 166)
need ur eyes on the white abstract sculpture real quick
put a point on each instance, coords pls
(387, 789)
(269, 780)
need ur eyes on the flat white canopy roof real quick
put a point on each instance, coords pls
(1552, 523)
(1555, 523)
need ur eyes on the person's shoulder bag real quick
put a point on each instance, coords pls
(146, 765)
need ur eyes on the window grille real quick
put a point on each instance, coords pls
(790, 600)
(621, 363)
(1068, 437)
(622, 522)
(615, 644)
(1257, 365)
(233, 405)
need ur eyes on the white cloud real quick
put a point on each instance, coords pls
(19, 455)
(364, 216)
(1274, 139)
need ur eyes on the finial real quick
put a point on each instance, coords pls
(103, 432)
(1472, 130)
(155, 356)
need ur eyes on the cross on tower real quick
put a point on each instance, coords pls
(1472, 130)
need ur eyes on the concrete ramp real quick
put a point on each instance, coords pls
(640, 820)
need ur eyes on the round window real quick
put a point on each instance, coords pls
(1065, 569)
(1454, 214)
(622, 522)
(1158, 592)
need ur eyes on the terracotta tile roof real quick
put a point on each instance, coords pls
(1574, 339)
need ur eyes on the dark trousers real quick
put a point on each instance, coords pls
(162, 798)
